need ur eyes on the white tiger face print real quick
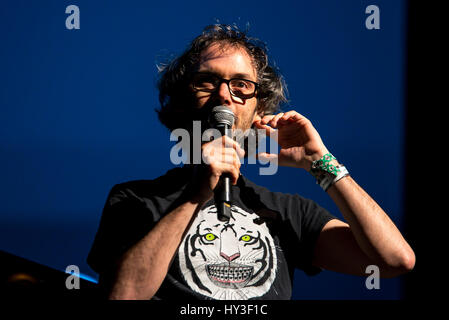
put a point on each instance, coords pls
(228, 260)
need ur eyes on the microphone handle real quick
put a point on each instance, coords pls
(222, 192)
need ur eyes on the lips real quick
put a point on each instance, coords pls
(229, 276)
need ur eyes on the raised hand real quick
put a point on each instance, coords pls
(299, 141)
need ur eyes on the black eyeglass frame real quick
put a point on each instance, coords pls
(227, 81)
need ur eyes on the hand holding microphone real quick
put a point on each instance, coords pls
(221, 157)
(222, 119)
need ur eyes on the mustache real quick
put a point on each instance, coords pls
(202, 114)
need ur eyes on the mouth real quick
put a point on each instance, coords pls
(229, 276)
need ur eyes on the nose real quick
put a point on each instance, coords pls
(224, 95)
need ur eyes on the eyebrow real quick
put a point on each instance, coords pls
(242, 76)
(234, 76)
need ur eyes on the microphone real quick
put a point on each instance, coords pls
(222, 119)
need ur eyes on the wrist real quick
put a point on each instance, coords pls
(327, 171)
(196, 192)
(311, 159)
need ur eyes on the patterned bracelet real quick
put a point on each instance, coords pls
(324, 164)
(325, 173)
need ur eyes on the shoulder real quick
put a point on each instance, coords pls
(170, 182)
(274, 199)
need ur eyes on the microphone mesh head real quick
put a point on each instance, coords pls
(221, 115)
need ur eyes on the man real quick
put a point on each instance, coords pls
(161, 239)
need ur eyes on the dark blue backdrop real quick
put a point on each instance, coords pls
(77, 111)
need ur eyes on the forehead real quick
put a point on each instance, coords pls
(227, 60)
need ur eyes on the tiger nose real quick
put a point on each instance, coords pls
(230, 258)
(229, 245)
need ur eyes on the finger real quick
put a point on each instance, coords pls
(215, 153)
(231, 143)
(294, 115)
(234, 169)
(268, 130)
(267, 118)
(267, 157)
(286, 118)
(273, 122)
(224, 142)
(257, 117)
(226, 168)
(230, 156)
(207, 154)
(235, 174)
(228, 142)
(289, 114)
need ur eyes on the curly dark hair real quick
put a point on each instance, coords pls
(175, 97)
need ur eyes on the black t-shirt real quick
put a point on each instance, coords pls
(252, 256)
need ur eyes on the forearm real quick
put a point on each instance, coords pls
(144, 266)
(371, 227)
(369, 235)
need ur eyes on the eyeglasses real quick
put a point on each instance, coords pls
(208, 82)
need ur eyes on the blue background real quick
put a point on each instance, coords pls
(77, 111)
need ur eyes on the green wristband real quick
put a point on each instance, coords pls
(324, 164)
(324, 172)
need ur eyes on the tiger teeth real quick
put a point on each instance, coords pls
(228, 273)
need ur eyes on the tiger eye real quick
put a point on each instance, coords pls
(210, 236)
